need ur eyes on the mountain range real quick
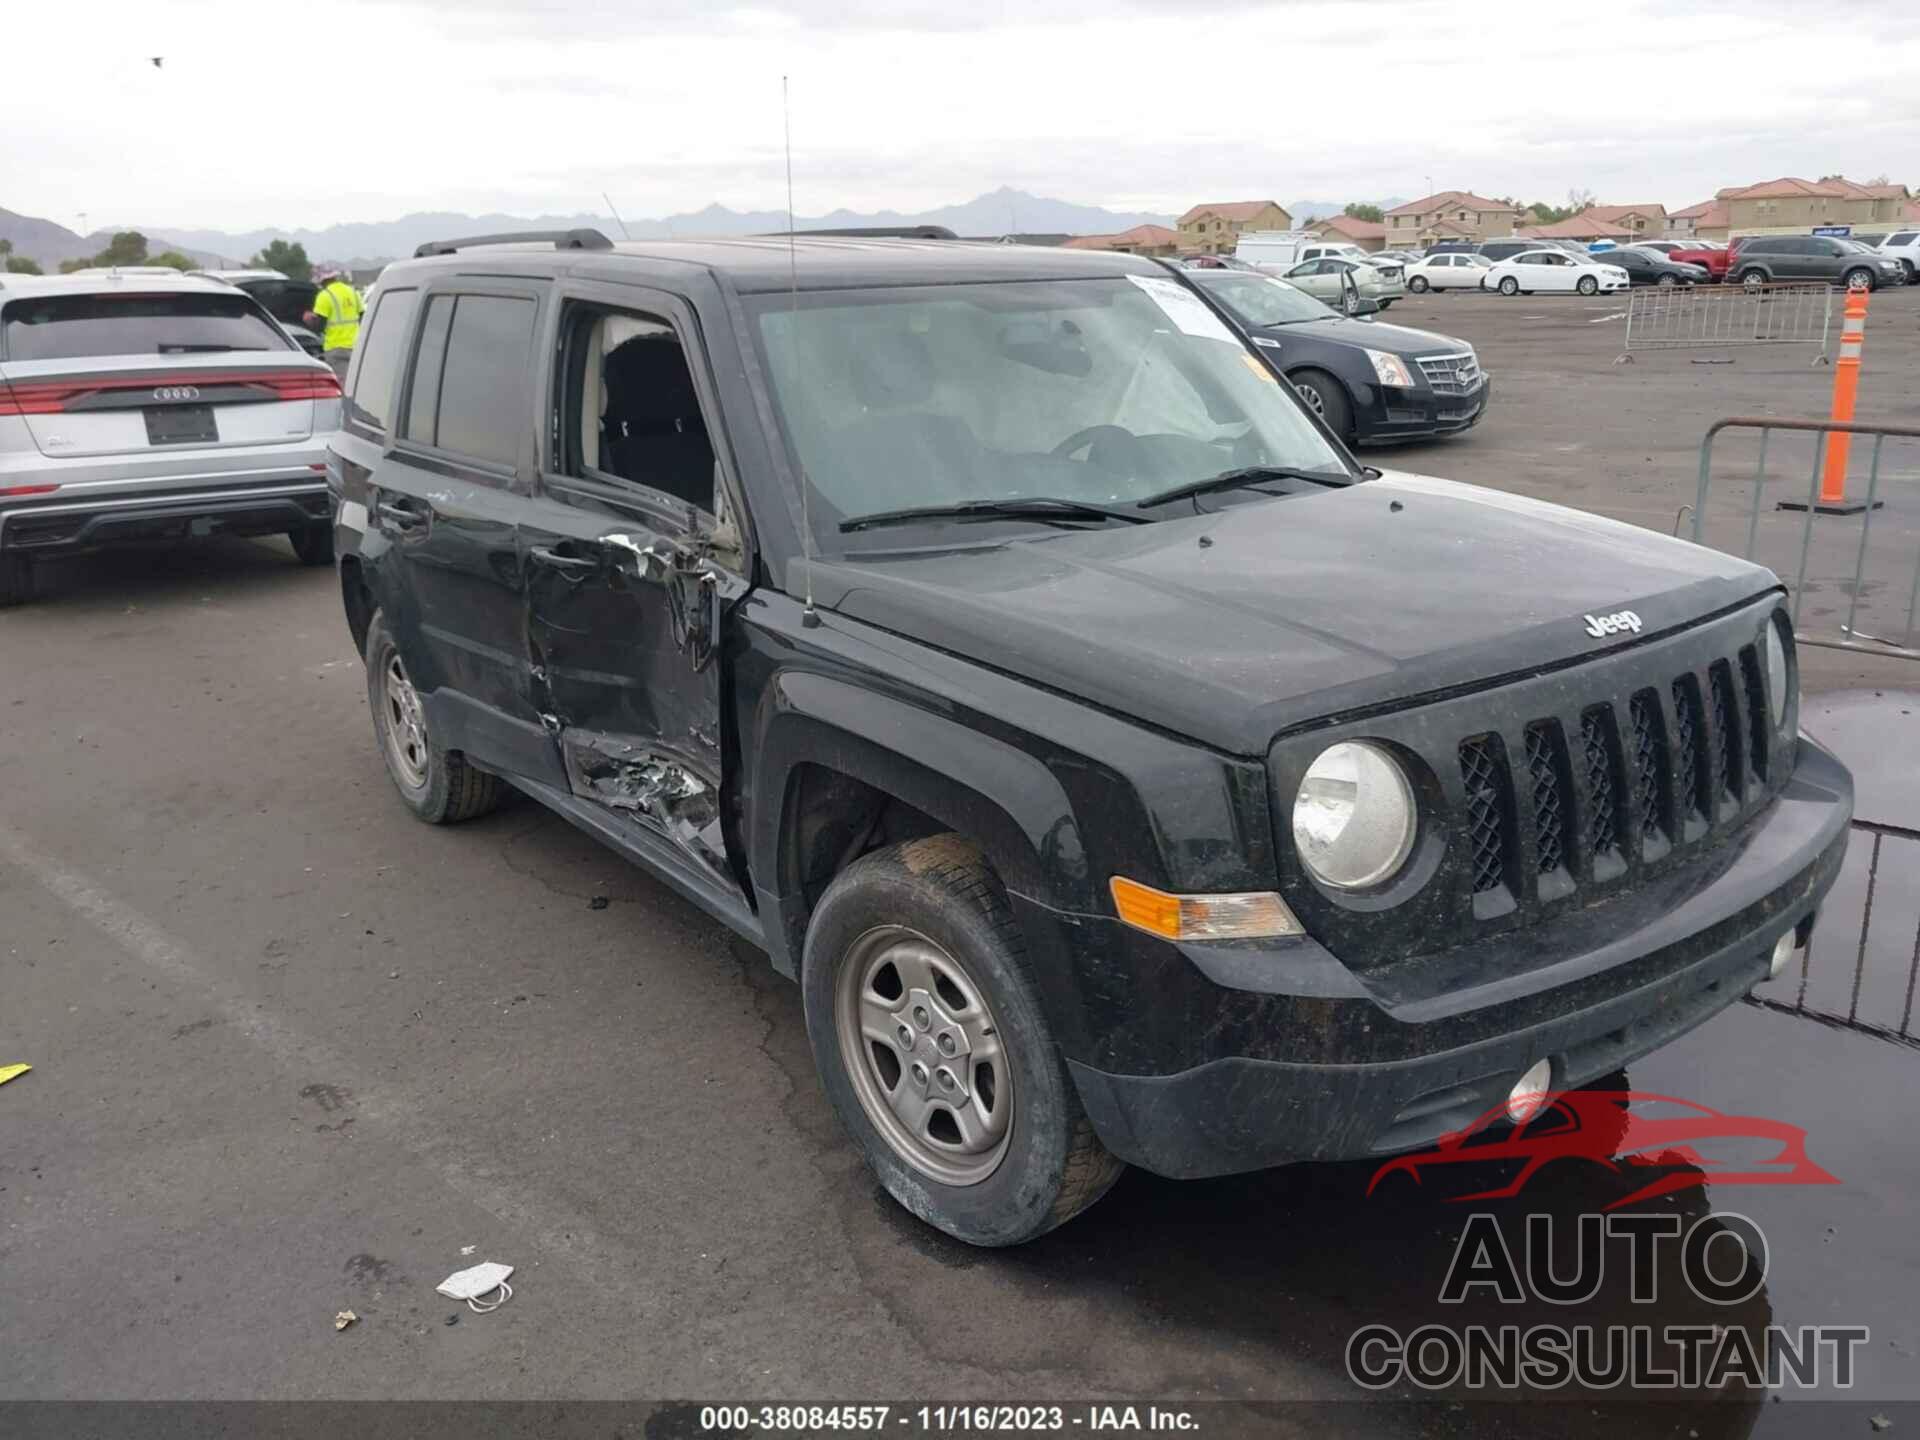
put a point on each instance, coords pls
(999, 212)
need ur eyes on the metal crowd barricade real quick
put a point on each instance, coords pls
(1892, 996)
(1907, 646)
(1694, 317)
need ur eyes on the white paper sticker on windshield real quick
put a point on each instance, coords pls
(1186, 309)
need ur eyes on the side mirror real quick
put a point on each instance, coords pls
(1363, 308)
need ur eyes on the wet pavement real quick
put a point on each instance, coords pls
(293, 1052)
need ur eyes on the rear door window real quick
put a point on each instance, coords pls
(377, 361)
(423, 392)
(472, 372)
(484, 388)
(1901, 237)
(76, 327)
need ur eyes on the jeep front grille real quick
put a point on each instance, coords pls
(1483, 773)
(1559, 789)
(1597, 753)
(1651, 770)
(1545, 773)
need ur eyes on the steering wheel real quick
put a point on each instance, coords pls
(1104, 445)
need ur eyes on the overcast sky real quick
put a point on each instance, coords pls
(309, 114)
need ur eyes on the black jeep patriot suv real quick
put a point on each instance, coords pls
(1123, 773)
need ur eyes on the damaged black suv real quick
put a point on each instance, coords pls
(1124, 774)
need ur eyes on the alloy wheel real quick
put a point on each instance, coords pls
(922, 1049)
(406, 725)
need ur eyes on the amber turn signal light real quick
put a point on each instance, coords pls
(1249, 915)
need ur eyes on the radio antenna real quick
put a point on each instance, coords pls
(625, 234)
(809, 617)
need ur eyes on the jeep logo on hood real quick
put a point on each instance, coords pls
(1603, 625)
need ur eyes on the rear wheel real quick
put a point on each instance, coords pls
(16, 579)
(313, 544)
(1418, 284)
(1327, 398)
(1668, 281)
(438, 785)
(1509, 285)
(1587, 285)
(933, 1049)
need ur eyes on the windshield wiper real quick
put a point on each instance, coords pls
(1235, 479)
(1033, 507)
(184, 349)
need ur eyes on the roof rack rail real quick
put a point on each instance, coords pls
(880, 232)
(562, 240)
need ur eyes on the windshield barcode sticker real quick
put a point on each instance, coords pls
(1186, 310)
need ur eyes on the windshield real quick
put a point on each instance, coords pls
(1102, 391)
(1262, 300)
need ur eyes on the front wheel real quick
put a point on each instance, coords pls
(1509, 286)
(935, 1053)
(1418, 284)
(1858, 280)
(1587, 285)
(438, 785)
(1327, 398)
(1753, 279)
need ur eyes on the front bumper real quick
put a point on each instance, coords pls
(1369, 1081)
(52, 524)
(1392, 414)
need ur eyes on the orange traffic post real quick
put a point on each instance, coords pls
(1846, 389)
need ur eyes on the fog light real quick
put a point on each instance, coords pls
(1783, 949)
(1529, 1092)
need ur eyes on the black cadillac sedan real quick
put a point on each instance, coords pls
(1369, 382)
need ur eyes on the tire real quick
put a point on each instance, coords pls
(438, 786)
(926, 923)
(1587, 285)
(1907, 265)
(16, 579)
(1860, 279)
(1418, 284)
(1667, 282)
(1386, 305)
(1509, 286)
(1327, 398)
(313, 544)
(1753, 279)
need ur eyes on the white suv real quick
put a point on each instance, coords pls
(141, 407)
(1904, 246)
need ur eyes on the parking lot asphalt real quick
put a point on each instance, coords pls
(294, 1053)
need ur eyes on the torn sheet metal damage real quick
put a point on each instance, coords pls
(621, 775)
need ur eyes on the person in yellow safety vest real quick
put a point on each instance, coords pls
(336, 315)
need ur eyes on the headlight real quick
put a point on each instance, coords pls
(1777, 697)
(1391, 369)
(1354, 818)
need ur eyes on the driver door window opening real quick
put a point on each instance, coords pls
(630, 416)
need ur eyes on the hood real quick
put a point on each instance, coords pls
(1318, 604)
(1394, 339)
